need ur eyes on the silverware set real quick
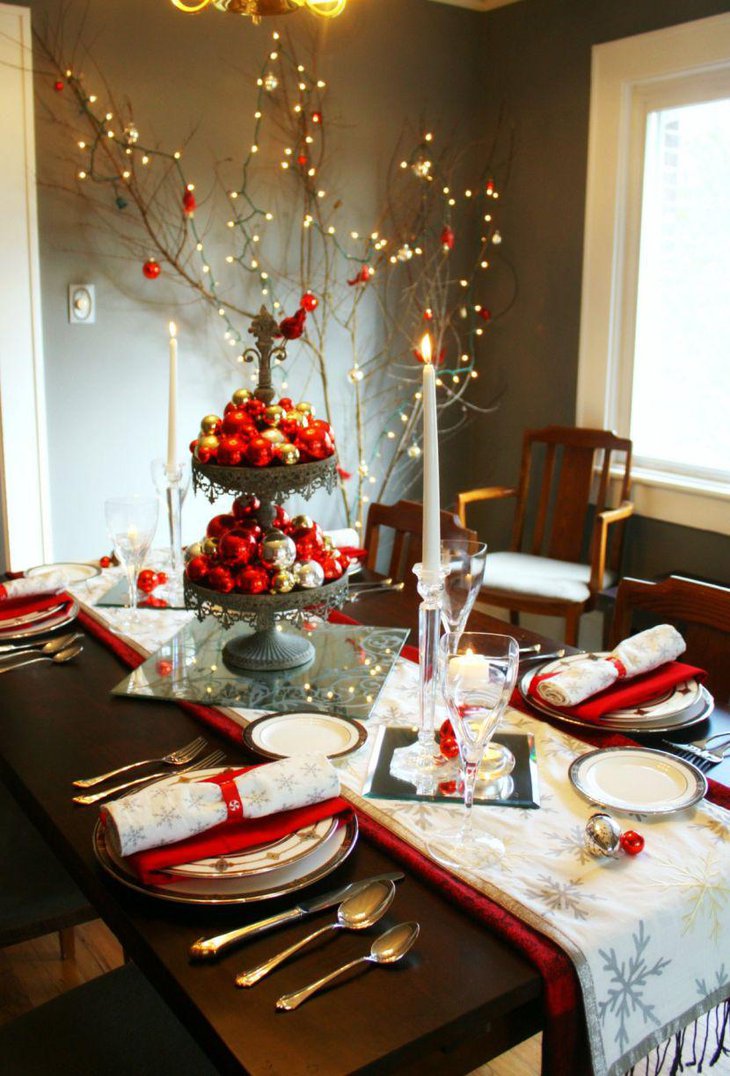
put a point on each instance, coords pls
(361, 905)
(700, 753)
(180, 760)
(59, 651)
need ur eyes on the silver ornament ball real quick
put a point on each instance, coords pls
(602, 835)
(277, 550)
(309, 574)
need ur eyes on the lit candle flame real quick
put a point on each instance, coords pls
(173, 330)
(426, 348)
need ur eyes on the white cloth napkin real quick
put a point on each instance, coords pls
(35, 586)
(344, 537)
(639, 654)
(166, 813)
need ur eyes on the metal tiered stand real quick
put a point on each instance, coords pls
(267, 648)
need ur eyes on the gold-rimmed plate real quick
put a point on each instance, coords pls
(239, 890)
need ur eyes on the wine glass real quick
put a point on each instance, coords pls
(478, 674)
(131, 523)
(464, 559)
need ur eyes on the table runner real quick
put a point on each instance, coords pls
(562, 892)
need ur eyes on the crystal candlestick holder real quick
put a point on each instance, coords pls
(422, 764)
(172, 484)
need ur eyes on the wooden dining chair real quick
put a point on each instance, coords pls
(566, 541)
(405, 520)
(700, 612)
(37, 896)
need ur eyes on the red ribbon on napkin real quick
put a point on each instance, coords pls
(14, 607)
(625, 693)
(235, 834)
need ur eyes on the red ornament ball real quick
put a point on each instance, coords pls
(252, 580)
(151, 269)
(282, 520)
(631, 842)
(59, 85)
(237, 548)
(447, 238)
(449, 747)
(484, 314)
(152, 602)
(310, 302)
(245, 507)
(161, 579)
(238, 422)
(447, 729)
(105, 562)
(230, 451)
(315, 444)
(188, 202)
(219, 525)
(164, 667)
(197, 569)
(147, 581)
(259, 452)
(286, 403)
(221, 579)
(303, 160)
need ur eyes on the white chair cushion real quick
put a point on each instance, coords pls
(540, 577)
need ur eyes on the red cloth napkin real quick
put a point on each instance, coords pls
(624, 693)
(352, 552)
(14, 607)
(229, 837)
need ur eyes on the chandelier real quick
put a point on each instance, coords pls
(257, 9)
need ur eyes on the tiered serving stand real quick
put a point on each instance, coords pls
(268, 648)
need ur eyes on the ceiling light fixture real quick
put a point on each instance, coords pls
(258, 9)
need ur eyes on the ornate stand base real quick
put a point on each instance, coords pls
(269, 650)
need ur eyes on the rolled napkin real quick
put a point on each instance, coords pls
(36, 585)
(639, 654)
(345, 536)
(165, 813)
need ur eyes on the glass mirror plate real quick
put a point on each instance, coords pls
(347, 673)
(519, 789)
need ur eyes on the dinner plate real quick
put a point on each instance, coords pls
(74, 572)
(279, 882)
(302, 732)
(637, 780)
(263, 859)
(38, 627)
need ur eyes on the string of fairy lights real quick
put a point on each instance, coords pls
(450, 308)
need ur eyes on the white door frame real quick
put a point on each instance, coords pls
(24, 501)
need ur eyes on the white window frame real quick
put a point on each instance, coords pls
(629, 78)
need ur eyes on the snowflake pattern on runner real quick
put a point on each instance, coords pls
(564, 897)
(571, 843)
(630, 978)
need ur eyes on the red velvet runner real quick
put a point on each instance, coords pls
(565, 1050)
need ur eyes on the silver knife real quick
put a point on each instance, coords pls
(210, 948)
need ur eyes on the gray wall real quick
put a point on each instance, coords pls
(537, 57)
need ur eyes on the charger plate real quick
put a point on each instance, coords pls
(637, 780)
(300, 732)
(307, 870)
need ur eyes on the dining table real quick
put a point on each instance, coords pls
(461, 997)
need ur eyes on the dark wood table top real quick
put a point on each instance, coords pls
(461, 997)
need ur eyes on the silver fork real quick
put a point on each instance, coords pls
(202, 764)
(175, 758)
(698, 749)
(701, 761)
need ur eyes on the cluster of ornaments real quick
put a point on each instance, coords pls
(254, 434)
(237, 556)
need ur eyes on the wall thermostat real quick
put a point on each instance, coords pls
(81, 304)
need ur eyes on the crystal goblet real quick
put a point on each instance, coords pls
(464, 560)
(131, 523)
(478, 675)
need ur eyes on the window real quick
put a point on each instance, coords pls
(655, 325)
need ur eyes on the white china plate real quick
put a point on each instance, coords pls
(681, 706)
(39, 627)
(75, 572)
(260, 860)
(637, 780)
(302, 732)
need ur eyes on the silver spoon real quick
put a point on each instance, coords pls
(51, 647)
(386, 949)
(356, 913)
(59, 659)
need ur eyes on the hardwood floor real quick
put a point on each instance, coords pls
(33, 972)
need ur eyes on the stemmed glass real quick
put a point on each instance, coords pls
(131, 523)
(478, 674)
(464, 559)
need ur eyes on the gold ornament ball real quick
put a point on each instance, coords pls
(210, 424)
(209, 442)
(283, 581)
(295, 417)
(209, 546)
(304, 408)
(273, 415)
(273, 436)
(329, 545)
(193, 550)
(240, 396)
(287, 453)
(302, 523)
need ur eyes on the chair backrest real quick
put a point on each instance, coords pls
(700, 611)
(569, 464)
(405, 519)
